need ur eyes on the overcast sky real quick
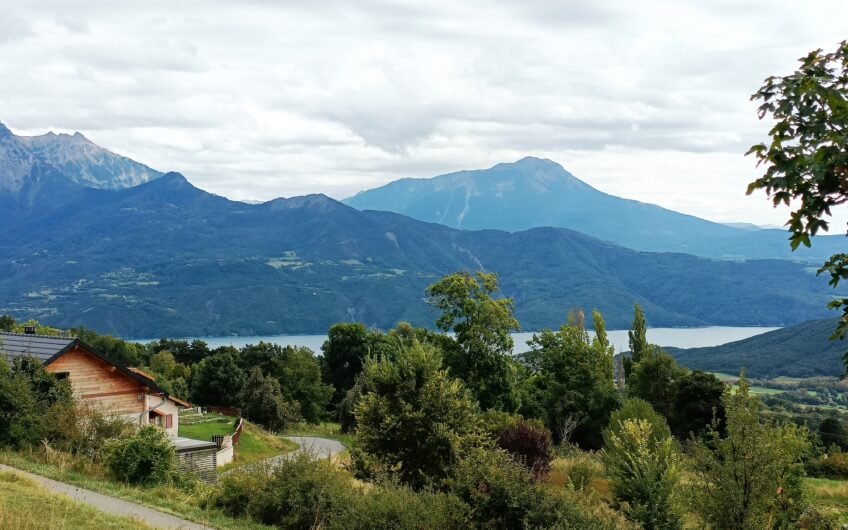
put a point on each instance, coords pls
(260, 99)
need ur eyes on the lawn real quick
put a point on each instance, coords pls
(254, 443)
(25, 505)
(829, 494)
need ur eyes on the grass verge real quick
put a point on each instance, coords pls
(25, 505)
(163, 498)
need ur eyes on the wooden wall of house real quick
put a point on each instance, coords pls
(99, 383)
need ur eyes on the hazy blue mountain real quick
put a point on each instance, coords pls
(534, 192)
(802, 350)
(73, 157)
(165, 258)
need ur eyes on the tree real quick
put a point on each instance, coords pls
(7, 323)
(639, 409)
(751, 476)
(644, 465)
(148, 457)
(637, 339)
(217, 380)
(346, 347)
(297, 371)
(806, 159)
(697, 401)
(482, 327)
(264, 402)
(27, 394)
(414, 420)
(833, 433)
(529, 444)
(572, 379)
(654, 378)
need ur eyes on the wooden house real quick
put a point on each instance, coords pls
(114, 389)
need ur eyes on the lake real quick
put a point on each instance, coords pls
(675, 337)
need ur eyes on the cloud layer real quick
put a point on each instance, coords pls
(259, 99)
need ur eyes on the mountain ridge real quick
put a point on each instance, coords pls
(535, 192)
(167, 258)
(77, 158)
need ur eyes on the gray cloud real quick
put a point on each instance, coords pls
(263, 98)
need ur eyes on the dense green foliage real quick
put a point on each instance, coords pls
(30, 400)
(644, 464)
(481, 327)
(750, 476)
(413, 419)
(147, 457)
(264, 402)
(571, 382)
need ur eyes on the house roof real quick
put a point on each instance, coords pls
(41, 347)
(47, 349)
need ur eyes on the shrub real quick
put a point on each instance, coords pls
(82, 430)
(645, 471)
(582, 469)
(395, 507)
(501, 494)
(300, 492)
(834, 465)
(737, 475)
(528, 444)
(146, 458)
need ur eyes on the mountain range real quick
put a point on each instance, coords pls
(164, 258)
(535, 192)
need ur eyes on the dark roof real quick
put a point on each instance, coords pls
(41, 347)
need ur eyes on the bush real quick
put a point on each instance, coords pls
(833, 466)
(82, 430)
(529, 445)
(501, 494)
(300, 492)
(146, 458)
(582, 469)
(645, 472)
(394, 507)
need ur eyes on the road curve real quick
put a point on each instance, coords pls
(317, 447)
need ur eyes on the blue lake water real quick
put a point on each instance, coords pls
(676, 337)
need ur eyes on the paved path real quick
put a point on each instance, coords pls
(318, 447)
(107, 504)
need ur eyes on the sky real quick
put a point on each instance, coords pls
(259, 99)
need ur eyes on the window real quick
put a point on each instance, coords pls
(169, 421)
(62, 375)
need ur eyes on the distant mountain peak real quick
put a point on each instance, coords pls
(74, 156)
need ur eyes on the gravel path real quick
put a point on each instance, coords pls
(107, 504)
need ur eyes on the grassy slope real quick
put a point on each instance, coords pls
(165, 499)
(254, 444)
(25, 505)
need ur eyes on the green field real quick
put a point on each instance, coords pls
(26, 505)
